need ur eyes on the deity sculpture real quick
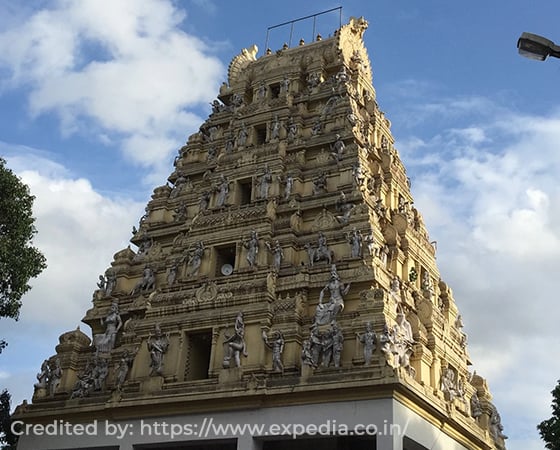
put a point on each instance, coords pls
(276, 344)
(157, 346)
(368, 339)
(252, 246)
(105, 342)
(327, 312)
(234, 345)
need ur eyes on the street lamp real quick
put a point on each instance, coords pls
(533, 46)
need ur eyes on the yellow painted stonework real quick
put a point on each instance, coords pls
(280, 113)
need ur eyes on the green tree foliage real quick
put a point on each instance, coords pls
(7, 438)
(550, 429)
(19, 260)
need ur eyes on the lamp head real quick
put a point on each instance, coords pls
(536, 47)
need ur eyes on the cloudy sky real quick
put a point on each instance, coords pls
(97, 96)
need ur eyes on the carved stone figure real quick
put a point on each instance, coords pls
(322, 251)
(355, 240)
(275, 126)
(327, 312)
(285, 85)
(235, 346)
(147, 283)
(194, 258)
(496, 427)
(265, 182)
(217, 107)
(204, 201)
(316, 346)
(55, 376)
(277, 254)
(276, 344)
(370, 244)
(387, 342)
(43, 375)
(157, 346)
(111, 282)
(317, 128)
(369, 340)
(99, 372)
(223, 191)
(252, 246)
(403, 342)
(337, 344)
(84, 383)
(459, 325)
(306, 354)
(320, 184)
(212, 153)
(337, 149)
(102, 284)
(342, 77)
(448, 384)
(121, 370)
(476, 409)
(106, 342)
(358, 175)
(172, 274)
(261, 92)
(242, 136)
(288, 186)
(313, 80)
(292, 130)
(344, 207)
(180, 213)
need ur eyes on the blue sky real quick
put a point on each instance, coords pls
(97, 96)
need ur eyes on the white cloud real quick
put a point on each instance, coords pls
(489, 194)
(79, 230)
(125, 71)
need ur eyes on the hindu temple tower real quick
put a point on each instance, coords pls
(280, 283)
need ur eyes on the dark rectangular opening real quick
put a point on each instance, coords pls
(323, 443)
(245, 190)
(229, 444)
(260, 132)
(198, 358)
(225, 260)
(409, 444)
(275, 90)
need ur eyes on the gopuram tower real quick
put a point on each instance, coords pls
(281, 284)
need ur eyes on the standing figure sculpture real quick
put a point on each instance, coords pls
(242, 136)
(234, 346)
(265, 182)
(223, 191)
(356, 243)
(368, 340)
(157, 346)
(121, 370)
(276, 344)
(252, 246)
(105, 342)
(337, 344)
(277, 254)
(194, 258)
(275, 126)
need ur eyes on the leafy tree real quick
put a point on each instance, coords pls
(550, 429)
(19, 262)
(7, 438)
